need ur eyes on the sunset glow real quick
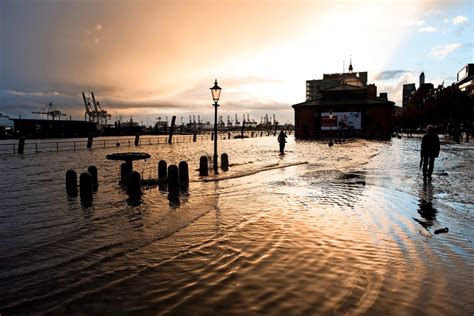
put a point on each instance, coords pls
(145, 58)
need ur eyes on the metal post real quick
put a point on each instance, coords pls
(214, 161)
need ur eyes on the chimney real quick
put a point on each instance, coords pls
(371, 91)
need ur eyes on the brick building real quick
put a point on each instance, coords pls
(343, 104)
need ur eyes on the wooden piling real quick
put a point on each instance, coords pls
(71, 182)
(162, 170)
(86, 188)
(225, 162)
(183, 174)
(21, 145)
(170, 138)
(173, 181)
(90, 139)
(203, 166)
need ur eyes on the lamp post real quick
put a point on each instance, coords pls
(216, 93)
(330, 129)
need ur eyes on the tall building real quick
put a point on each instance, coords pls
(422, 78)
(408, 89)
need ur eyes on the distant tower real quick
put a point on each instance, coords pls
(422, 78)
(350, 66)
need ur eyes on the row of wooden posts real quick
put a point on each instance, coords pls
(175, 177)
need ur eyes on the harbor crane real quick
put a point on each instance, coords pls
(51, 112)
(94, 113)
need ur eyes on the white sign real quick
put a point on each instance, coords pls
(341, 121)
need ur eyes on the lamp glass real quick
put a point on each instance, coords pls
(216, 91)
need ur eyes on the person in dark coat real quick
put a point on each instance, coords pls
(282, 140)
(429, 151)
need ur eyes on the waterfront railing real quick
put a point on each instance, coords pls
(44, 145)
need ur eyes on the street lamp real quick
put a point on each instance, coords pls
(216, 93)
(330, 129)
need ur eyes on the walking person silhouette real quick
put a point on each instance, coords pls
(429, 151)
(282, 140)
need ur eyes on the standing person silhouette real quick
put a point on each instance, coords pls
(282, 140)
(429, 151)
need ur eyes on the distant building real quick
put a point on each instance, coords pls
(346, 104)
(465, 79)
(408, 89)
(423, 93)
(422, 78)
(313, 87)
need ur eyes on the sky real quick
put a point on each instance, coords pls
(157, 58)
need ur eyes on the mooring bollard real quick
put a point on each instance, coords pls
(21, 145)
(203, 166)
(228, 135)
(90, 139)
(162, 170)
(137, 139)
(71, 182)
(212, 136)
(95, 181)
(224, 162)
(183, 174)
(194, 137)
(124, 171)
(173, 180)
(134, 185)
(86, 188)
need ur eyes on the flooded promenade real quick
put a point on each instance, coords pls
(319, 230)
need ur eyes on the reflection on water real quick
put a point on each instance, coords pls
(426, 209)
(319, 230)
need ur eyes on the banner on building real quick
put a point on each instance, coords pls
(341, 121)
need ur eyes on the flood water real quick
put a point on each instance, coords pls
(347, 229)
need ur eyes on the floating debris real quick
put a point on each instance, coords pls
(441, 230)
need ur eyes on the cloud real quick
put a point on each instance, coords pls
(428, 29)
(415, 22)
(442, 51)
(434, 12)
(390, 74)
(446, 21)
(460, 20)
(98, 27)
(392, 82)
